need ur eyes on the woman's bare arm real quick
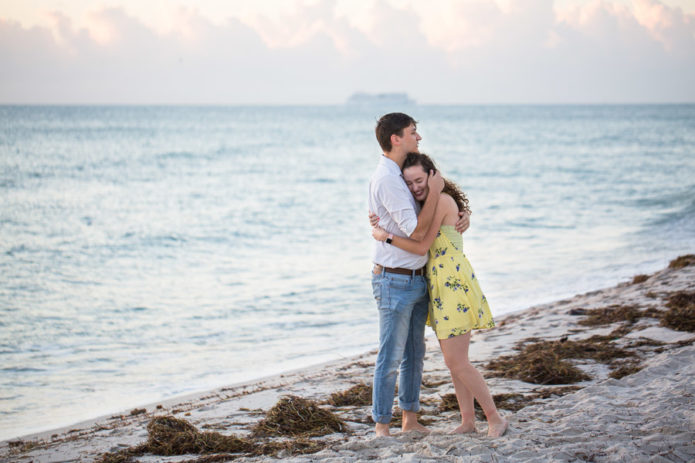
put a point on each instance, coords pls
(425, 220)
(444, 208)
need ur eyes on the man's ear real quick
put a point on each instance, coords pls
(395, 139)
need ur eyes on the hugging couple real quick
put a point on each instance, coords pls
(415, 212)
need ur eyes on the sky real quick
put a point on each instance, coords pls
(322, 51)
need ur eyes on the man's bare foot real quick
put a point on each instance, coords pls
(410, 423)
(497, 429)
(382, 430)
(415, 427)
(464, 428)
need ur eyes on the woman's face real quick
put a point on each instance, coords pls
(416, 179)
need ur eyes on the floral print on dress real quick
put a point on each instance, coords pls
(458, 304)
(437, 303)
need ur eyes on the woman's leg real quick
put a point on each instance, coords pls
(455, 351)
(464, 397)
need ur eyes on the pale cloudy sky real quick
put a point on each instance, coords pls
(321, 51)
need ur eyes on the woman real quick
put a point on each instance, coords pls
(457, 305)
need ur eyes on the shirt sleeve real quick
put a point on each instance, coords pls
(391, 195)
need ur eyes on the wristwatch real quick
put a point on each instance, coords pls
(389, 239)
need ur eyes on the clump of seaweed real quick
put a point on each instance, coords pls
(682, 261)
(639, 279)
(599, 348)
(359, 394)
(173, 436)
(20, 446)
(293, 447)
(123, 456)
(168, 436)
(545, 362)
(681, 299)
(611, 314)
(548, 392)
(428, 383)
(298, 417)
(536, 367)
(625, 370)
(448, 403)
(681, 313)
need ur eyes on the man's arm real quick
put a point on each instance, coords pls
(463, 222)
(424, 219)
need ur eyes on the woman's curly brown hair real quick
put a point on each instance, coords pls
(450, 188)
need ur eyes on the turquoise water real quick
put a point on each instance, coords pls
(148, 252)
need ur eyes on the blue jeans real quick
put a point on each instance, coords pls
(402, 301)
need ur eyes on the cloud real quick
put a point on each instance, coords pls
(449, 52)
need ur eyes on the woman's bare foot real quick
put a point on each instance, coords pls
(464, 428)
(382, 430)
(497, 429)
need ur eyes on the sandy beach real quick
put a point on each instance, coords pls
(604, 376)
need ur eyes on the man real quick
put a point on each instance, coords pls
(398, 278)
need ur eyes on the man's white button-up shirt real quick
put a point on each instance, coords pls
(390, 199)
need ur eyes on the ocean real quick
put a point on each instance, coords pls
(148, 252)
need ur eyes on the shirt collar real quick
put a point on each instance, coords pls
(391, 165)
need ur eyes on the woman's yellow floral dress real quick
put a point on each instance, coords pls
(457, 304)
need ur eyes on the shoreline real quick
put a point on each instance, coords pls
(236, 408)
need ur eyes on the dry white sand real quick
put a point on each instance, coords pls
(645, 416)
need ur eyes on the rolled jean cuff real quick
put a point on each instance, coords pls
(410, 406)
(383, 419)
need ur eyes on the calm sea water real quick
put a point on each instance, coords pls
(148, 252)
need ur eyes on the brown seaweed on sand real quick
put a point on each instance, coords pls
(680, 315)
(612, 314)
(169, 436)
(173, 436)
(536, 367)
(357, 395)
(599, 348)
(682, 261)
(298, 417)
(545, 362)
(625, 370)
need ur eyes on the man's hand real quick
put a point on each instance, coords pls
(435, 182)
(373, 219)
(463, 222)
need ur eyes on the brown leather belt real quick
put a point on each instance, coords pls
(402, 271)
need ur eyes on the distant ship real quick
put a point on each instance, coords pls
(396, 98)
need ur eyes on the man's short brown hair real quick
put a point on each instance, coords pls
(391, 124)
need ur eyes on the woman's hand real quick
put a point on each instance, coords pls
(379, 234)
(373, 219)
(435, 182)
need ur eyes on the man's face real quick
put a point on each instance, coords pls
(410, 139)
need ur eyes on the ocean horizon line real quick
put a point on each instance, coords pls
(342, 104)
